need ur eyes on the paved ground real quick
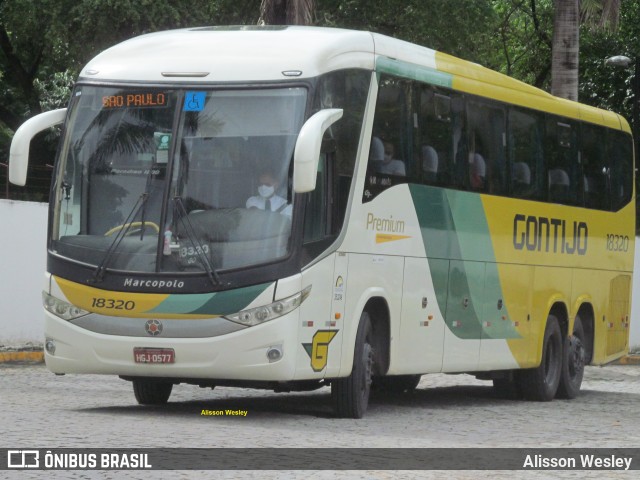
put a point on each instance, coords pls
(41, 410)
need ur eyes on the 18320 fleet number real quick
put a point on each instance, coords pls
(617, 243)
(113, 304)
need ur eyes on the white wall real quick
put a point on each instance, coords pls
(22, 266)
(634, 340)
(22, 263)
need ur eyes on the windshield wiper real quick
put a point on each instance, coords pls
(98, 274)
(193, 237)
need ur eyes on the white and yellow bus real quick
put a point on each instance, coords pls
(291, 207)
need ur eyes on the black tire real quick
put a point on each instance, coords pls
(396, 383)
(541, 383)
(151, 392)
(573, 360)
(351, 394)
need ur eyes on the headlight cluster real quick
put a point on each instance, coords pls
(256, 316)
(61, 308)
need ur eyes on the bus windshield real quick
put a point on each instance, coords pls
(168, 180)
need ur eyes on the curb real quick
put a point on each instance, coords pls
(38, 357)
(631, 359)
(22, 357)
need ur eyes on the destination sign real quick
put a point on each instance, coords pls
(140, 99)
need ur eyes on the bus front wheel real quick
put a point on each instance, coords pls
(541, 383)
(151, 392)
(351, 394)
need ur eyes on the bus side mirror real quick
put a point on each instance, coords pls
(19, 152)
(307, 152)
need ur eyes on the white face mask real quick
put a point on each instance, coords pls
(266, 191)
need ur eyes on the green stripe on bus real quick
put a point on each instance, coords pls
(462, 261)
(474, 239)
(413, 72)
(219, 303)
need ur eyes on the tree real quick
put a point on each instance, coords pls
(464, 28)
(566, 39)
(565, 50)
(525, 31)
(44, 44)
(287, 12)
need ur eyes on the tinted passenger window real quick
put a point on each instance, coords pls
(619, 151)
(391, 147)
(564, 177)
(315, 219)
(525, 154)
(442, 148)
(487, 138)
(346, 89)
(595, 167)
(391, 127)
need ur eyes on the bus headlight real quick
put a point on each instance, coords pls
(258, 315)
(60, 308)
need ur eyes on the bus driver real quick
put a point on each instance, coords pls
(267, 198)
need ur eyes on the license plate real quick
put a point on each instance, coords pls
(154, 355)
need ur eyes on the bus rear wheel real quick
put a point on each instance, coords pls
(351, 394)
(151, 392)
(572, 362)
(541, 383)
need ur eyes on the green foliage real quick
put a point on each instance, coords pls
(54, 90)
(465, 28)
(608, 86)
(525, 32)
(107, 22)
(45, 43)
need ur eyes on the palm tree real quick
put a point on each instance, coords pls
(600, 13)
(287, 12)
(565, 49)
(566, 39)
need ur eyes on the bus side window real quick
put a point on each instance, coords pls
(435, 137)
(346, 89)
(316, 212)
(621, 167)
(487, 142)
(595, 167)
(392, 128)
(525, 154)
(564, 177)
(460, 144)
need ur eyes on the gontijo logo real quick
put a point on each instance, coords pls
(551, 235)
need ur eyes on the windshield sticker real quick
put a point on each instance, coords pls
(194, 101)
(162, 146)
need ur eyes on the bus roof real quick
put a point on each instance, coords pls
(270, 53)
(232, 54)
